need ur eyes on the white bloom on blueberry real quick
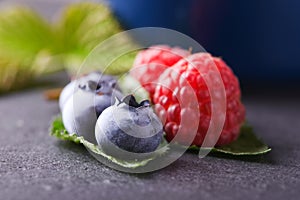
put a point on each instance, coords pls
(83, 107)
(128, 126)
(72, 87)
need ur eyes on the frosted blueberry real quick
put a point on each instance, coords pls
(72, 87)
(128, 127)
(90, 98)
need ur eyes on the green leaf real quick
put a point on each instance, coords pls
(58, 130)
(31, 46)
(27, 44)
(81, 28)
(84, 25)
(23, 34)
(246, 144)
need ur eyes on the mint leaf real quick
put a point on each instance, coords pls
(58, 130)
(247, 144)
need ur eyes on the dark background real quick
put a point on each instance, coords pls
(259, 39)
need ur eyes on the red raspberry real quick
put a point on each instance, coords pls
(192, 70)
(149, 64)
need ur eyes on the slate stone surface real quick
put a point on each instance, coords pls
(35, 166)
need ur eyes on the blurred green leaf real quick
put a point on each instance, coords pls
(81, 28)
(31, 46)
(24, 35)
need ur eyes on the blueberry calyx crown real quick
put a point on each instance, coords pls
(131, 101)
(104, 85)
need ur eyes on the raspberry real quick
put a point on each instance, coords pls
(192, 70)
(150, 63)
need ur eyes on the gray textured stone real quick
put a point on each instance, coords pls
(34, 165)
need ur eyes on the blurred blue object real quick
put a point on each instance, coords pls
(260, 40)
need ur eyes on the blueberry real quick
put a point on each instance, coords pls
(66, 93)
(89, 99)
(72, 87)
(128, 126)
